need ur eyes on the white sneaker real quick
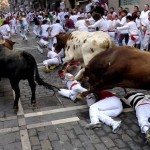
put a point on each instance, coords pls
(116, 126)
(73, 97)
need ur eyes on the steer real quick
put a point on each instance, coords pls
(122, 66)
(82, 46)
(18, 65)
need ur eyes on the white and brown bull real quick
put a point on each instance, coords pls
(122, 66)
(82, 46)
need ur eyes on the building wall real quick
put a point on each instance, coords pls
(115, 4)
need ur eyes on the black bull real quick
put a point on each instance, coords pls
(20, 65)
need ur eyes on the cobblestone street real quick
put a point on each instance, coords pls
(57, 123)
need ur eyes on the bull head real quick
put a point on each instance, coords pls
(61, 40)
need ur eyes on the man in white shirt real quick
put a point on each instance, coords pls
(74, 16)
(5, 31)
(13, 24)
(81, 24)
(55, 29)
(101, 24)
(144, 13)
(54, 59)
(146, 29)
(132, 31)
(123, 33)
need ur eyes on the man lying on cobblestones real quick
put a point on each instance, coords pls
(74, 87)
(107, 107)
(141, 104)
(54, 59)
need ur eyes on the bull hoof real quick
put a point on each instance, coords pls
(15, 109)
(34, 104)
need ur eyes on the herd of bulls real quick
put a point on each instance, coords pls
(105, 66)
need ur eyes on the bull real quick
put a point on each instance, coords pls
(20, 65)
(123, 66)
(82, 46)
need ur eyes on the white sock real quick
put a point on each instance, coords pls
(145, 128)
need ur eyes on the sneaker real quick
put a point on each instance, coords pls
(52, 67)
(116, 126)
(93, 126)
(73, 97)
(148, 136)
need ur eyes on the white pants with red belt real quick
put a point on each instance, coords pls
(142, 114)
(133, 42)
(105, 109)
(73, 92)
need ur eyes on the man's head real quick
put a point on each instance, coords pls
(138, 13)
(66, 17)
(136, 8)
(146, 7)
(111, 9)
(124, 13)
(129, 18)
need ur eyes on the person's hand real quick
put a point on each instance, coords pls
(84, 94)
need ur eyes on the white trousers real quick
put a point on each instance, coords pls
(51, 43)
(53, 61)
(146, 41)
(132, 43)
(74, 92)
(142, 114)
(103, 110)
(36, 30)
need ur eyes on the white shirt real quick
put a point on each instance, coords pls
(56, 28)
(13, 22)
(44, 28)
(138, 22)
(101, 24)
(91, 20)
(74, 18)
(132, 28)
(116, 22)
(52, 54)
(147, 25)
(81, 25)
(24, 21)
(123, 22)
(88, 7)
(110, 24)
(144, 16)
(4, 30)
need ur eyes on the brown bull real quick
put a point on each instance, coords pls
(122, 66)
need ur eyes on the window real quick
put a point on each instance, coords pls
(129, 2)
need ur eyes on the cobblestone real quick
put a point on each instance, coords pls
(34, 140)
(108, 142)
(53, 137)
(46, 145)
(63, 138)
(100, 146)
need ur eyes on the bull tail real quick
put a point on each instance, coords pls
(41, 82)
